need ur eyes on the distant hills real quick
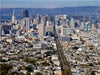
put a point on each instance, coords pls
(94, 11)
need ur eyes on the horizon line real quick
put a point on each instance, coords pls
(45, 7)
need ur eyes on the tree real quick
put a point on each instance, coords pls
(92, 73)
(4, 69)
(21, 73)
(28, 73)
(38, 73)
(75, 48)
(45, 63)
(29, 68)
(91, 48)
(33, 61)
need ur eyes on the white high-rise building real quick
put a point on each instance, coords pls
(27, 23)
(72, 23)
(48, 23)
(13, 17)
(82, 26)
(41, 31)
(65, 16)
(63, 31)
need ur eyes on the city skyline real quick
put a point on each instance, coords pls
(58, 41)
(47, 4)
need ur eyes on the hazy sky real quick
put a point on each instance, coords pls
(47, 3)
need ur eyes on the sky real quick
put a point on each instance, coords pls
(47, 3)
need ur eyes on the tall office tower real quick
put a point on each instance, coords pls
(64, 16)
(47, 23)
(90, 18)
(26, 24)
(86, 27)
(78, 22)
(25, 14)
(49, 30)
(63, 31)
(72, 23)
(57, 22)
(57, 17)
(65, 22)
(26, 20)
(76, 25)
(82, 25)
(43, 20)
(84, 18)
(38, 19)
(99, 25)
(0, 29)
(90, 22)
(32, 19)
(48, 17)
(13, 17)
(41, 31)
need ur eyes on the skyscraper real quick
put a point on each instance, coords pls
(48, 17)
(25, 13)
(26, 24)
(58, 22)
(26, 20)
(86, 27)
(49, 30)
(13, 17)
(41, 31)
(82, 25)
(0, 29)
(38, 19)
(72, 23)
(43, 20)
(63, 31)
(32, 19)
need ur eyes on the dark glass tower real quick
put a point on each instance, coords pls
(25, 13)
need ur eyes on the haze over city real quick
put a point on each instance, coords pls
(47, 3)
